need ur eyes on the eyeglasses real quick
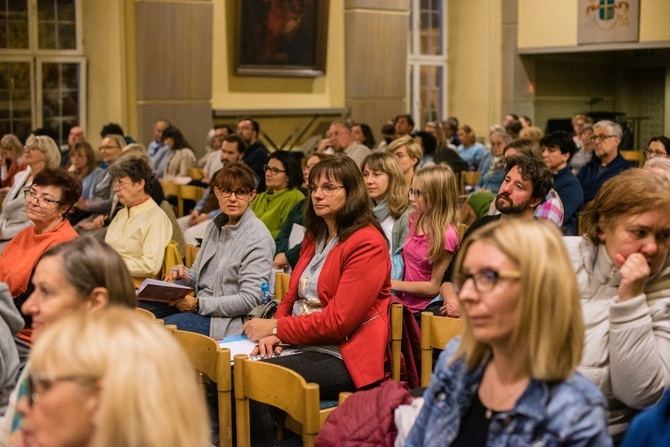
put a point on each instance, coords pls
(240, 193)
(38, 385)
(274, 171)
(415, 192)
(652, 154)
(42, 202)
(108, 148)
(117, 186)
(326, 190)
(220, 136)
(31, 148)
(597, 138)
(484, 280)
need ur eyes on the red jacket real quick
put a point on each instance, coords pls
(354, 288)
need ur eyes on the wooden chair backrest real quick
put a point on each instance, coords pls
(212, 363)
(277, 386)
(145, 313)
(396, 339)
(281, 285)
(436, 332)
(188, 192)
(191, 253)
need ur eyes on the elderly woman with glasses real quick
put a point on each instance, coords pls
(40, 152)
(283, 178)
(511, 378)
(52, 193)
(235, 258)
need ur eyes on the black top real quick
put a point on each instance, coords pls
(475, 426)
(478, 223)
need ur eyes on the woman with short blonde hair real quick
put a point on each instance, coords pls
(125, 379)
(511, 379)
(409, 153)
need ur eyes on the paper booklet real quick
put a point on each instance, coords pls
(155, 290)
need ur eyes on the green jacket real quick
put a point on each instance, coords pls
(273, 208)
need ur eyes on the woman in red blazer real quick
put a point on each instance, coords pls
(335, 309)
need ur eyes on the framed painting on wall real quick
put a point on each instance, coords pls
(608, 21)
(281, 37)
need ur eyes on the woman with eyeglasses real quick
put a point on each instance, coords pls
(39, 152)
(511, 378)
(83, 392)
(432, 239)
(283, 178)
(658, 147)
(83, 275)
(235, 258)
(336, 306)
(623, 269)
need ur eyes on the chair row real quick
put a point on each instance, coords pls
(182, 192)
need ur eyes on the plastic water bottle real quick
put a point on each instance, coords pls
(265, 292)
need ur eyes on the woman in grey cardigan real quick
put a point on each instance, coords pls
(234, 260)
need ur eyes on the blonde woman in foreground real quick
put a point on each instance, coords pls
(510, 379)
(112, 379)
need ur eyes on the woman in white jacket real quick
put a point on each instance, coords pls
(623, 270)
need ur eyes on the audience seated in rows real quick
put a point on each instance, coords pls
(141, 230)
(84, 276)
(84, 165)
(235, 258)
(282, 179)
(40, 152)
(470, 149)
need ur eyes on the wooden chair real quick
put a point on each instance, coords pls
(188, 192)
(469, 178)
(396, 339)
(436, 332)
(281, 285)
(196, 173)
(212, 364)
(171, 258)
(462, 228)
(635, 156)
(170, 188)
(277, 386)
(145, 313)
(191, 253)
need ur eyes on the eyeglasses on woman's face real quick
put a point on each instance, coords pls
(326, 190)
(651, 154)
(239, 193)
(272, 170)
(41, 201)
(38, 385)
(415, 192)
(484, 280)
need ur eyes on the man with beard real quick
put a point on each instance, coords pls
(527, 181)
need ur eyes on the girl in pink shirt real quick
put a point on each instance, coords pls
(432, 238)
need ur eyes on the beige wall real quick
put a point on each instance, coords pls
(475, 62)
(103, 31)
(547, 23)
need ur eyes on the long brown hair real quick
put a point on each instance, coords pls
(355, 214)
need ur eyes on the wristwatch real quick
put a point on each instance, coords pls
(274, 328)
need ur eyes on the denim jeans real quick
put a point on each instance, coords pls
(184, 321)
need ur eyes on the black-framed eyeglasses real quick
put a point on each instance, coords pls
(326, 190)
(239, 193)
(484, 280)
(274, 171)
(42, 201)
(415, 192)
(38, 385)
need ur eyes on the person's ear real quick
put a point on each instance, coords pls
(535, 202)
(97, 299)
(252, 195)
